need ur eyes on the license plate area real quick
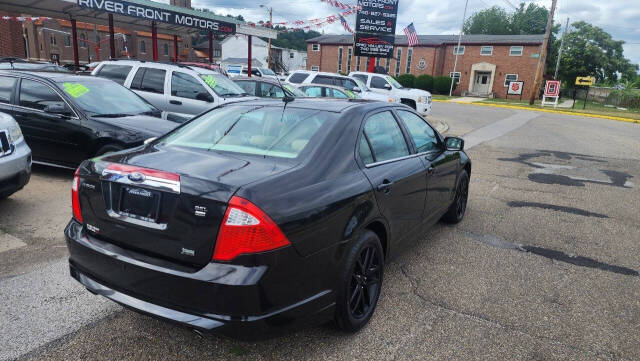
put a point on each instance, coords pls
(138, 203)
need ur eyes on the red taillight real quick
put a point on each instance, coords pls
(246, 229)
(75, 197)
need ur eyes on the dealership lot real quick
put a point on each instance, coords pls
(545, 265)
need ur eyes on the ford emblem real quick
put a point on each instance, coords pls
(136, 177)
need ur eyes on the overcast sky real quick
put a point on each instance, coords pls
(618, 17)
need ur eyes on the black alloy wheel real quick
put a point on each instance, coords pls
(458, 208)
(360, 283)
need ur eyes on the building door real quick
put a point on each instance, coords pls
(481, 83)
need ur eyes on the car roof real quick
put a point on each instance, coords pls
(326, 104)
(161, 65)
(262, 79)
(307, 85)
(319, 73)
(54, 76)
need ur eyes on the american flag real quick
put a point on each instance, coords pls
(345, 24)
(412, 36)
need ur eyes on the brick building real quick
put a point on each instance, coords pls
(12, 43)
(485, 62)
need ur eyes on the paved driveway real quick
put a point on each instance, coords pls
(544, 266)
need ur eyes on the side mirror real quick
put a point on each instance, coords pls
(387, 86)
(454, 143)
(60, 109)
(357, 90)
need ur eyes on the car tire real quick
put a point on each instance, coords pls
(360, 283)
(109, 148)
(5, 195)
(456, 211)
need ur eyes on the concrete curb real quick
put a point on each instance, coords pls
(440, 126)
(628, 120)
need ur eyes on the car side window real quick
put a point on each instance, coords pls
(117, 73)
(378, 82)
(361, 77)
(36, 95)
(335, 93)
(321, 79)
(271, 91)
(384, 135)
(6, 89)
(298, 78)
(422, 134)
(149, 80)
(248, 86)
(365, 151)
(185, 86)
(348, 83)
(313, 91)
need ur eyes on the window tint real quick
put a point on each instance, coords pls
(117, 73)
(335, 93)
(365, 151)
(422, 134)
(271, 91)
(385, 137)
(313, 91)
(361, 77)
(185, 86)
(6, 88)
(149, 80)
(378, 82)
(298, 78)
(248, 86)
(347, 83)
(321, 79)
(37, 95)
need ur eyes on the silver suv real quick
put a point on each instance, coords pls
(175, 88)
(15, 157)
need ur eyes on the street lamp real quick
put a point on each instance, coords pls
(270, 9)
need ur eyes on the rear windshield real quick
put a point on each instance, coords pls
(221, 85)
(104, 98)
(267, 131)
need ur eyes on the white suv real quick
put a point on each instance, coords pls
(303, 77)
(175, 88)
(419, 100)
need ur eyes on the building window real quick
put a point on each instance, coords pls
(349, 56)
(398, 58)
(509, 78)
(409, 56)
(358, 63)
(515, 51)
(165, 50)
(387, 63)
(486, 50)
(291, 55)
(143, 47)
(458, 50)
(339, 59)
(98, 41)
(53, 40)
(315, 68)
(455, 75)
(377, 62)
(217, 53)
(67, 41)
(315, 47)
(83, 42)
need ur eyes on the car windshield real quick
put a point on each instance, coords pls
(222, 86)
(267, 131)
(295, 91)
(393, 82)
(361, 85)
(267, 71)
(105, 97)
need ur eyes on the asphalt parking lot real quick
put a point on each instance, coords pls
(544, 266)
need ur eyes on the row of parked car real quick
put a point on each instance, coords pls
(66, 118)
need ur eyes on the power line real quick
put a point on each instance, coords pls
(510, 4)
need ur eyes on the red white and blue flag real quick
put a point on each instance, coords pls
(345, 24)
(412, 36)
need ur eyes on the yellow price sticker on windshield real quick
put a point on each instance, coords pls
(210, 80)
(76, 90)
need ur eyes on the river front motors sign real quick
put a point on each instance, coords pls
(158, 14)
(375, 28)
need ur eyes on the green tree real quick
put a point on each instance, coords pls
(493, 21)
(591, 51)
(293, 39)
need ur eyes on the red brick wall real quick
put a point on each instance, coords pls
(11, 40)
(439, 61)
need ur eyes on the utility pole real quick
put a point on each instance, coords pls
(543, 55)
(566, 28)
(455, 63)
(269, 40)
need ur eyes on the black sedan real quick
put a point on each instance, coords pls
(257, 218)
(67, 118)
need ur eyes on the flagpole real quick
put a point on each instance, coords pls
(455, 63)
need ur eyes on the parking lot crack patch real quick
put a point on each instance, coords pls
(553, 207)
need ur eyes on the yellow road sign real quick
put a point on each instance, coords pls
(585, 80)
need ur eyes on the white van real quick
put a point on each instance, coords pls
(420, 100)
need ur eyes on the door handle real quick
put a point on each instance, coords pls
(385, 186)
(431, 169)
(176, 102)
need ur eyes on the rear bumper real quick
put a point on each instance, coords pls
(235, 301)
